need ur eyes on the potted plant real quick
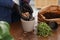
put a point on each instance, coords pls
(27, 23)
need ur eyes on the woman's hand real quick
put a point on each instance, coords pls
(26, 15)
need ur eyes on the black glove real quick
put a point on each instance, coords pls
(25, 7)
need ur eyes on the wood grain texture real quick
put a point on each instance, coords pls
(18, 33)
(44, 3)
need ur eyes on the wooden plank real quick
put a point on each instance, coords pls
(43, 3)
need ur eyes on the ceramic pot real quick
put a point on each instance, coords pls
(28, 26)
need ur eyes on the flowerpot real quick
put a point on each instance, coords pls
(28, 26)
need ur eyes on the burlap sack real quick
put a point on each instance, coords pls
(52, 8)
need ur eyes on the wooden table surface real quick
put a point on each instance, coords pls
(18, 33)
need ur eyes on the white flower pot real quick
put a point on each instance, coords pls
(28, 26)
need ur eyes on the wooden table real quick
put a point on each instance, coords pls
(18, 33)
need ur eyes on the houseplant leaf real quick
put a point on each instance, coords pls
(43, 29)
(4, 31)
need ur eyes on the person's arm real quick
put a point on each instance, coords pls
(25, 7)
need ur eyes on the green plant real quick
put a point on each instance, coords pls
(43, 29)
(4, 31)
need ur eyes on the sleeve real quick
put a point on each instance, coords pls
(27, 1)
(6, 3)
